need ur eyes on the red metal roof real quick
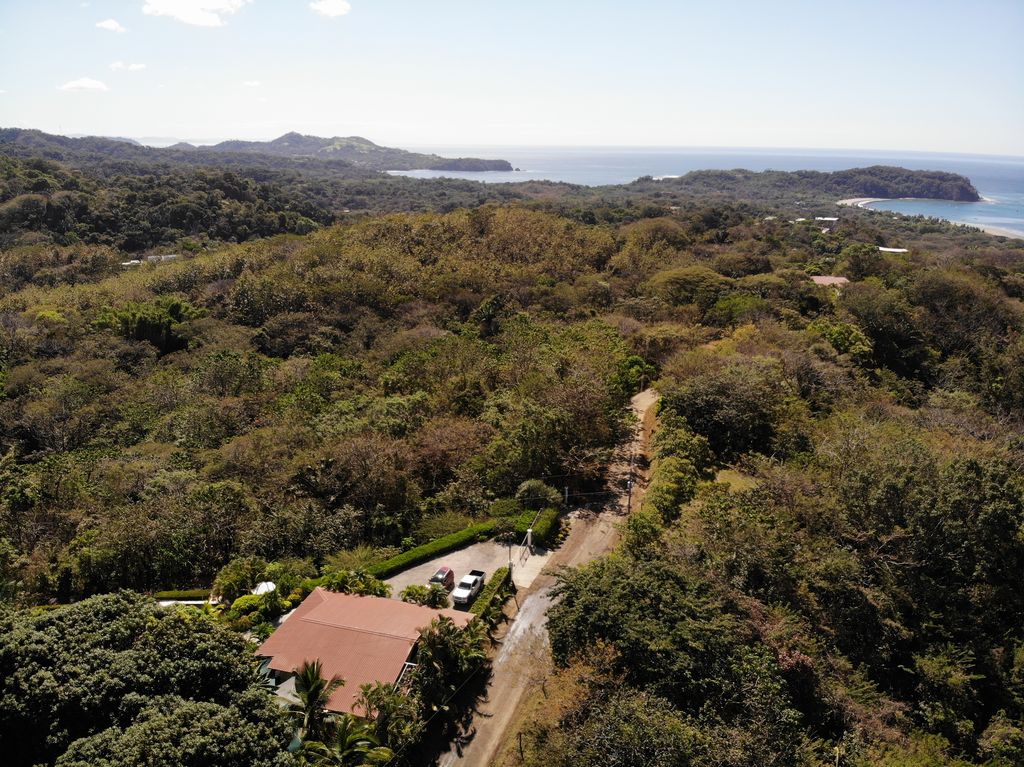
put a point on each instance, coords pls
(361, 639)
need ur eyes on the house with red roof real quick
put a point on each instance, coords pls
(362, 639)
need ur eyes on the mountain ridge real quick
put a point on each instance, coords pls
(356, 151)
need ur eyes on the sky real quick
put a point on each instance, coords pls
(922, 75)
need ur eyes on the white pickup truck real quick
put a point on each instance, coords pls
(468, 587)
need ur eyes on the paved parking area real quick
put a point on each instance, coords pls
(487, 556)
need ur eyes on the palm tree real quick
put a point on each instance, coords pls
(395, 717)
(356, 743)
(446, 655)
(313, 692)
(351, 744)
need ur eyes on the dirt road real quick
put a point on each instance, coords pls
(524, 658)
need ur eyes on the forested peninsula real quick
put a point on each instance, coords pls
(133, 198)
(234, 368)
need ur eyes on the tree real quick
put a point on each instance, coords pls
(669, 631)
(350, 743)
(238, 577)
(624, 729)
(736, 402)
(446, 656)
(117, 680)
(313, 693)
(673, 483)
(535, 494)
(396, 717)
(690, 285)
(355, 582)
(892, 325)
(171, 732)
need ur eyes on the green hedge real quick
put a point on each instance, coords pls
(183, 594)
(495, 587)
(435, 548)
(523, 522)
(544, 531)
(546, 527)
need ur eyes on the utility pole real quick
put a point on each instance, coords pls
(629, 487)
(566, 496)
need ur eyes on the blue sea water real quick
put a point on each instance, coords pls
(1000, 180)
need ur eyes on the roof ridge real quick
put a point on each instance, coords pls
(331, 624)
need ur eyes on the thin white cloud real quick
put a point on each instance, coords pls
(120, 66)
(84, 84)
(251, 83)
(111, 26)
(330, 8)
(199, 13)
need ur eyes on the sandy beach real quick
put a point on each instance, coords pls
(994, 230)
(861, 202)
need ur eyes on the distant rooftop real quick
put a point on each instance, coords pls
(826, 280)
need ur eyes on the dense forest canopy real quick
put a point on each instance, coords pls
(134, 198)
(301, 387)
(874, 181)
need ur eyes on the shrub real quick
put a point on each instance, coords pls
(522, 523)
(438, 525)
(505, 507)
(689, 285)
(434, 595)
(250, 603)
(535, 494)
(349, 582)
(494, 594)
(359, 557)
(546, 527)
(182, 594)
(673, 483)
(673, 438)
(238, 577)
(420, 554)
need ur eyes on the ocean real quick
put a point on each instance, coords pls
(1000, 180)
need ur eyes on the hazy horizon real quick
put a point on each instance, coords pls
(163, 142)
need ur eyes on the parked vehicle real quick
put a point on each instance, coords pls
(444, 576)
(468, 587)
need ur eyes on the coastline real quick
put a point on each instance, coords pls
(861, 202)
(993, 230)
(864, 202)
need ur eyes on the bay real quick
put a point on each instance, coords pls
(999, 179)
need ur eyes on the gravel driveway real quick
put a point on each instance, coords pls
(487, 556)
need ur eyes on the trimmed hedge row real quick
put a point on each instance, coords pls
(494, 587)
(183, 594)
(546, 528)
(420, 554)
